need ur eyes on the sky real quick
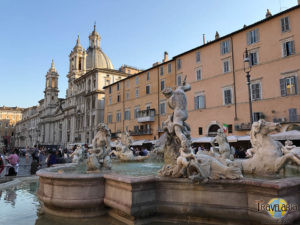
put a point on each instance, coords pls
(133, 32)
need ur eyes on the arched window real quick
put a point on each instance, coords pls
(53, 82)
(212, 131)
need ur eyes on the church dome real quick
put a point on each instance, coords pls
(96, 58)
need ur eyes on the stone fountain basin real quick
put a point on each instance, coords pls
(149, 199)
(71, 194)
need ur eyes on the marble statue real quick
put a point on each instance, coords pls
(267, 155)
(123, 152)
(223, 151)
(99, 154)
(179, 159)
(77, 155)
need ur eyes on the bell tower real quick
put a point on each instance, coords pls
(51, 89)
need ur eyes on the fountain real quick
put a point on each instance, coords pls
(207, 187)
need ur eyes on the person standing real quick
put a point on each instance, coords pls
(13, 160)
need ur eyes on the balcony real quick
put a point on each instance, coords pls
(140, 132)
(145, 115)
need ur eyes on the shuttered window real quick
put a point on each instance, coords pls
(255, 91)
(253, 36)
(285, 24)
(288, 86)
(288, 48)
(199, 102)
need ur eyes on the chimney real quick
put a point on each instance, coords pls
(298, 2)
(165, 57)
(217, 36)
(268, 14)
(204, 39)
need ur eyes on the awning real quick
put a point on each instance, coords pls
(291, 135)
(138, 143)
(232, 138)
(244, 138)
(202, 140)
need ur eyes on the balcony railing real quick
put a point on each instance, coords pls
(147, 115)
(140, 132)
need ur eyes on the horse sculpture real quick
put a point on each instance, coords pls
(268, 155)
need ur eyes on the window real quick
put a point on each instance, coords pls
(288, 86)
(293, 117)
(127, 83)
(226, 67)
(109, 89)
(93, 120)
(118, 98)
(161, 69)
(257, 116)
(93, 102)
(200, 130)
(288, 48)
(252, 36)
(136, 80)
(169, 68)
(178, 80)
(285, 24)
(118, 116)
(109, 118)
(136, 92)
(225, 47)
(197, 56)
(118, 86)
(255, 91)
(94, 82)
(199, 101)
(162, 85)
(198, 74)
(178, 64)
(148, 75)
(127, 95)
(136, 110)
(127, 114)
(109, 100)
(162, 108)
(227, 96)
(147, 89)
(253, 56)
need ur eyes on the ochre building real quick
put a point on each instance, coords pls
(219, 95)
(9, 116)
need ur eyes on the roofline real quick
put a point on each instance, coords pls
(211, 42)
(240, 30)
(146, 70)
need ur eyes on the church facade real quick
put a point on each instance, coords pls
(61, 122)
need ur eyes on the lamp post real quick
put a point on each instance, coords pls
(247, 69)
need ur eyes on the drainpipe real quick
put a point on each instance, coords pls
(234, 84)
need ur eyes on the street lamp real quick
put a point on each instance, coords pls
(247, 69)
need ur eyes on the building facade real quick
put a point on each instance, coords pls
(57, 121)
(219, 95)
(9, 116)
